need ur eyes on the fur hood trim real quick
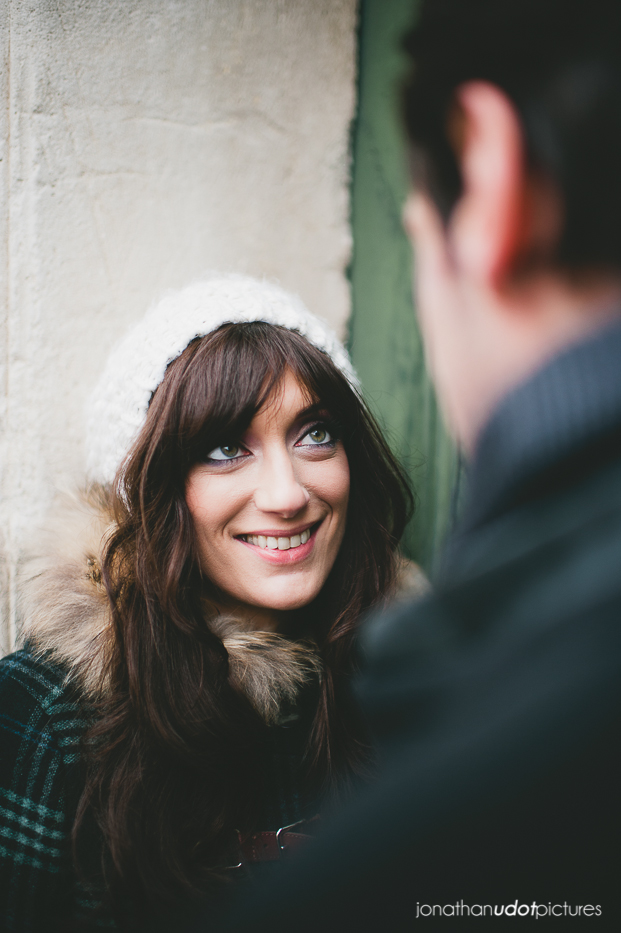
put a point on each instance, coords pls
(66, 616)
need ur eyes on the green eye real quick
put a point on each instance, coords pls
(225, 452)
(319, 435)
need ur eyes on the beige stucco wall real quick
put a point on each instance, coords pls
(144, 142)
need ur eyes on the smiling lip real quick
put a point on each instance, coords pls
(277, 548)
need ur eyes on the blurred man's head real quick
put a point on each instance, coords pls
(514, 117)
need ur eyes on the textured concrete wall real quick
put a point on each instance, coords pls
(144, 142)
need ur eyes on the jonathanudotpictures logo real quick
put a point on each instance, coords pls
(513, 909)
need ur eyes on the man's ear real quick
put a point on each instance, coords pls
(492, 220)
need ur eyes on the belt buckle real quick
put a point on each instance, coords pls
(232, 867)
(282, 847)
(240, 864)
(286, 829)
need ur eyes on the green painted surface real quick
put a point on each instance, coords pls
(384, 338)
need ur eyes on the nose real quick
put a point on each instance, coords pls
(279, 489)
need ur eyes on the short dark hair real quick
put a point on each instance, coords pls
(559, 61)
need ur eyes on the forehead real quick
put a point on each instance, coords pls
(286, 402)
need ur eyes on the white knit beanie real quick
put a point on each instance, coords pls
(118, 405)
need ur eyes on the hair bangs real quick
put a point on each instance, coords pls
(226, 382)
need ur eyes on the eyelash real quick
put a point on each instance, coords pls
(227, 459)
(328, 427)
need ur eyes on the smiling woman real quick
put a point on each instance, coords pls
(187, 663)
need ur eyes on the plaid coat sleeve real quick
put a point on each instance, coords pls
(40, 730)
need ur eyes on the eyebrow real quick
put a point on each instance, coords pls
(318, 408)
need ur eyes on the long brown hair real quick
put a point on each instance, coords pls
(170, 755)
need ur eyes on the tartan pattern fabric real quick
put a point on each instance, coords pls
(41, 725)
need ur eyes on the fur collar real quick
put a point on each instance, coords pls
(66, 615)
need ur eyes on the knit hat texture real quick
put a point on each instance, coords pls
(118, 405)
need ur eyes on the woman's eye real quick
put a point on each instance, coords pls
(317, 435)
(225, 452)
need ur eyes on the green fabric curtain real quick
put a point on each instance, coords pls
(384, 339)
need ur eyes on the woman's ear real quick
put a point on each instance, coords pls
(491, 223)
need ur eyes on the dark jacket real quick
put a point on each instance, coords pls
(43, 719)
(496, 702)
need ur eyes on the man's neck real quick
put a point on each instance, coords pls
(535, 320)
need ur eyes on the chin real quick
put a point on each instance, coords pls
(288, 602)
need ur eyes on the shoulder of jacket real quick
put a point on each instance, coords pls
(39, 706)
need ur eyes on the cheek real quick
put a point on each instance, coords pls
(330, 483)
(443, 320)
(436, 286)
(198, 499)
(210, 505)
(340, 486)
(435, 299)
(203, 530)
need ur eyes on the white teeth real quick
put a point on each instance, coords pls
(281, 543)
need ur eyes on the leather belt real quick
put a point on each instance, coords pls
(273, 845)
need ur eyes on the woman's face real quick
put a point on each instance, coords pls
(270, 508)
